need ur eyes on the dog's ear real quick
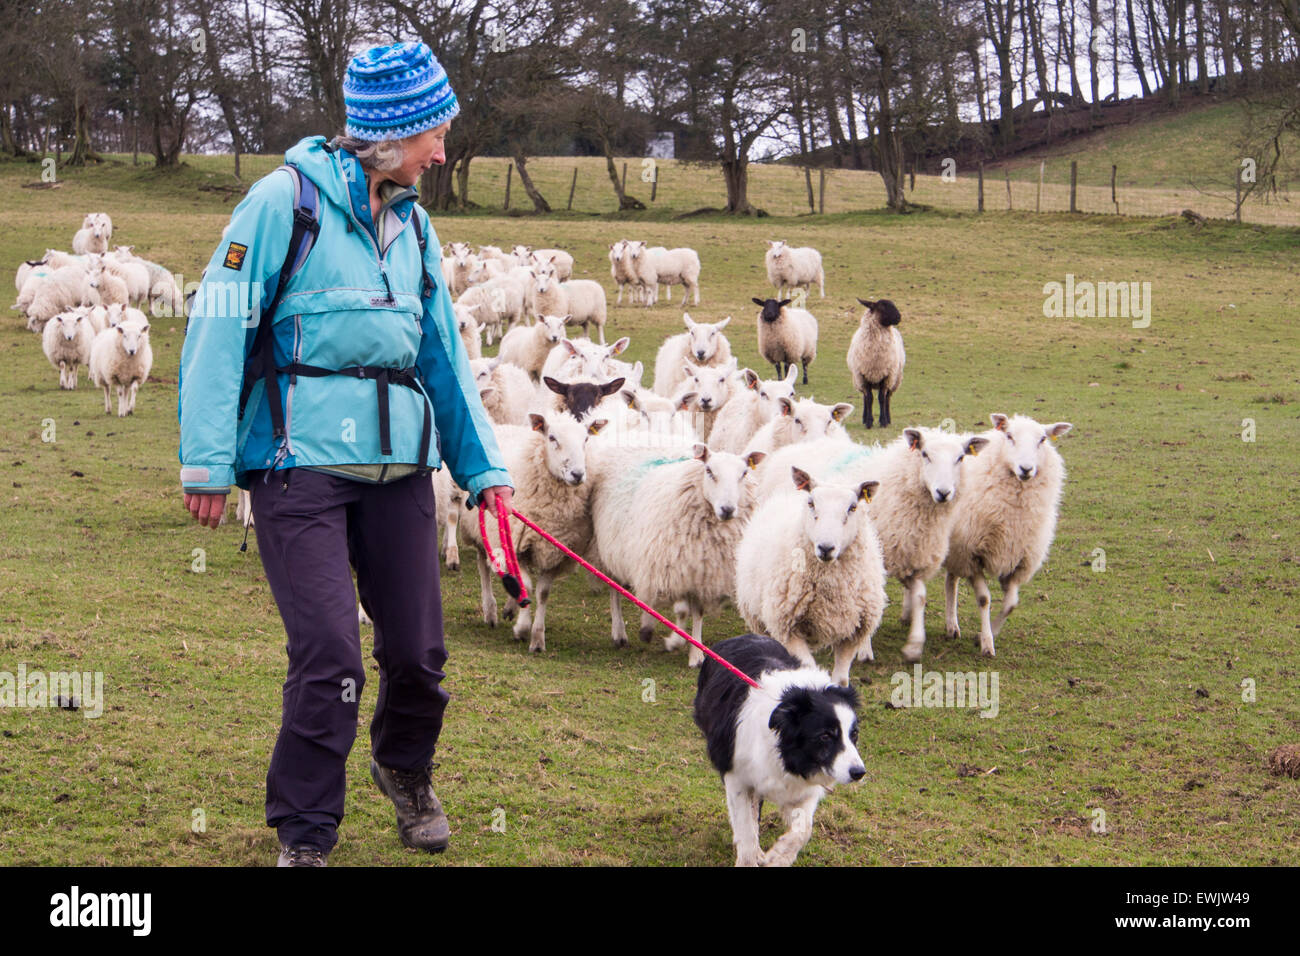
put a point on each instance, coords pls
(843, 695)
(795, 702)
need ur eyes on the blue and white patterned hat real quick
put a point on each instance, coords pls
(391, 92)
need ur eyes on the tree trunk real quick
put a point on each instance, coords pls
(219, 85)
(849, 108)
(736, 174)
(889, 146)
(539, 201)
(81, 150)
(1225, 46)
(1202, 69)
(1094, 58)
(980, 91)
(8, 144)
(1136, 49)
(462, 182)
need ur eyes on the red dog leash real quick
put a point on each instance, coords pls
(512, 563)
(511, 579)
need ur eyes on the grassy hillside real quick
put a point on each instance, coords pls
(1121, 690)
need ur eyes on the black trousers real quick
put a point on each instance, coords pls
(312, 529)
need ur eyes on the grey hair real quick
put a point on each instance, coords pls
(383, 156)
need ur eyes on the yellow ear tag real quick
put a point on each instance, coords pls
(1053, 437)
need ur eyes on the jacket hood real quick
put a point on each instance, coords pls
(341, 180)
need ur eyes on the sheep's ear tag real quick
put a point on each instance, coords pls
(1053, 437)
(631, 401)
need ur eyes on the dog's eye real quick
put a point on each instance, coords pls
(828, 736)
(853, 734)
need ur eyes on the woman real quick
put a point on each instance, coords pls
(358, 386)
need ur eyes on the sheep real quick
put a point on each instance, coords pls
(162, 284)
(712, 388)
(471, 331)
(28, 267)
(667, 527)
(920, 480)
(562, 261)
(545, 297)
(786, 335)
(506, 390)
(876, 357)
(1006, 518)
(121, 358)
(67, 340)
(528, 346)
(45, 296)
(499, 302)
(800, 420)
(584, 400)
(462, 262)
(751, 406)
(620, 269)
(491, 252)
(520, 255)
(96, 229)
(788, 266)
(679, 266)
(642, 266)
(111, 288)
(547, 462)
(702, 343)
(809, 571)
(585, 303)
(581, 358)
(484, 269)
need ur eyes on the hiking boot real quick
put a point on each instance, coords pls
(421, 824)
(301, 855)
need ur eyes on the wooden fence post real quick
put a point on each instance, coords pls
(913, 186)
(981, 187)
(1008, 174)
(572, 186)
(509, 173)
(1074, 185)
(821, 191)
(1238, 183)
(807, 182)
(1114, 171)
(624, 177)
(654, 184)
(1038, 202)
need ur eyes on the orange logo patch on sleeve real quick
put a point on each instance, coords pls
(235, 256)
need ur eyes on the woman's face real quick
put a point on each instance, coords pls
(419, 153)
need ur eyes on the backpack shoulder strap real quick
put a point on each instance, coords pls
(306, 227)
(427, 285)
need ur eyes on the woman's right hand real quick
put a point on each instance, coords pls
(208, 510)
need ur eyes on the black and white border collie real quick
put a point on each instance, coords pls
(788, 741)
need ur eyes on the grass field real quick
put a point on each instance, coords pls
(1120, 691)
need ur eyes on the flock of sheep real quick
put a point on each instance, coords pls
(86, 306)
(710, 484)
(707, 485)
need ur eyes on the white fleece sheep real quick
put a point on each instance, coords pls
(703, 343)
(529, 345)
(45, 295)
(809, 571)
(751, 406)
(800, 420)
(585, 304)
(1006, 518)
(667, 527)
(67, 340)
(786, 335)
(680, 266)
(121, 358)
(133, 273)
(712, 388)
(470, 329)
(463, 261)
(499, 304)
(562, 261)
(580, 358)
(506, 390)
(548, 466)
(791, 267)
(620, 270)
(96, 229)
(913, 512)
(876, 357)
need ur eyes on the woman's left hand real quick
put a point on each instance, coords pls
(497, 496)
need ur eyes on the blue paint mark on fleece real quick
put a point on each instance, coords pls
(855, 454)
(638, 473)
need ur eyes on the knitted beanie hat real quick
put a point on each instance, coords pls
(391, 92)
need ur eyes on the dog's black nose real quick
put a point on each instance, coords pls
(857, 773)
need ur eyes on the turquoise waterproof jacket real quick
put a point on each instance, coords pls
(350, 304)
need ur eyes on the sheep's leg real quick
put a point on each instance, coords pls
(537, 642)
(885, 418)
(867, 399)
(951, 628)
(804, 362)
(600, 327)
(487, 600)
(451, 552)
(742, 808)
(647, 630)
(1010, 600)
(905, 614)
(695, 288)
(696, 656)
(916, 636)
(72, 377)
(799, 820)
(985, 600)
(617, 629)
(821, 279)
(121, 401)
(798, 647)
(845, 652)
(672, 642)
(108, 408)
(135, 390)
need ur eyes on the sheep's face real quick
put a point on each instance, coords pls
(771, 308)
(712, 386)
(565, 441)
(581, 397)
(705, 338)
(635, 249)
(724, 481)
(1024, 445)
(618, 250)
(543, 279)
(882, 311)
(69, 323)
(580, 361)
(809, 419)
(771, 392)
(778, 249)
(554, 325)
(831, 516)
(465, 321)
(133, 336)
(940, 456)
(607, 352)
